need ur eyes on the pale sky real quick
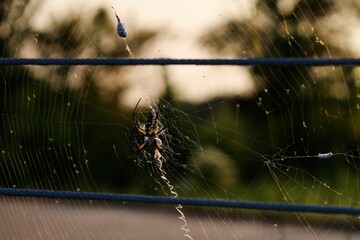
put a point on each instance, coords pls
(184, 21)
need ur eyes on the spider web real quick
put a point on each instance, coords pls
(279, 134)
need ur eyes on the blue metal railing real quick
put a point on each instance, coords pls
(238, 204)
(170, 61)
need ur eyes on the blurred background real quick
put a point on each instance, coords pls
(235, 132)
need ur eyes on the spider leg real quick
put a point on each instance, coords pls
(159, 148)
(135, 121)
(141, 147)
(140, 130)
(161, 151)
(136, 106)
(156, 124)
(157, 115)
(156, 119)
(158, 132)
(138, 151)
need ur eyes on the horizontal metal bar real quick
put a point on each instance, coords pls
(221, 203)
(170, 61)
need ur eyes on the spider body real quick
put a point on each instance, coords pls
(149, 132)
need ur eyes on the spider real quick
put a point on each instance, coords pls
(150, 133)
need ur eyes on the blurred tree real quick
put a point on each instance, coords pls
(61, 107)
(289, 103)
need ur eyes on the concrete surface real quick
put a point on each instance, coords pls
(36, 218)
